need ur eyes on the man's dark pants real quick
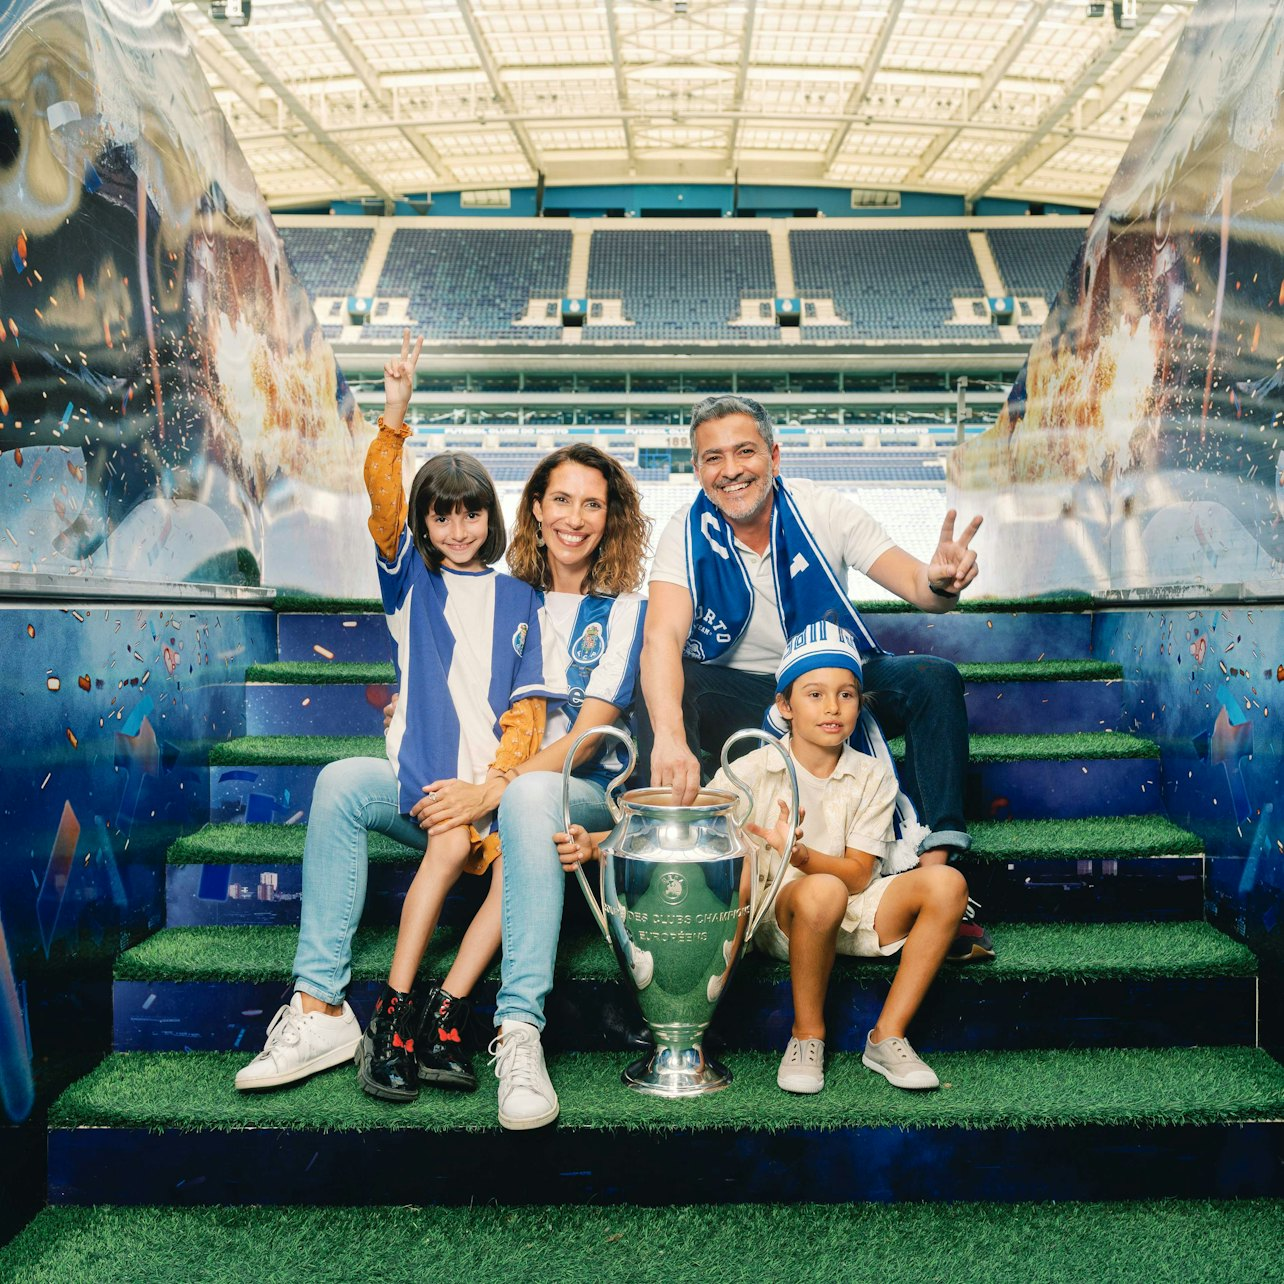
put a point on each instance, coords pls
(917, 696)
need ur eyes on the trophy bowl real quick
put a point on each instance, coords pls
(678, 899)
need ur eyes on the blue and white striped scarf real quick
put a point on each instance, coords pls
(722, 594)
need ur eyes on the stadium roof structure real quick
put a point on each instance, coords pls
(342, 99)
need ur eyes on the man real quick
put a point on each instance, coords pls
(752, 562)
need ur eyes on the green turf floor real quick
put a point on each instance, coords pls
(1104, 837)
(316, 751)
(1074, 952)
(1136, 1087)
(1155, 1242)
(336, 672)
(322, 673)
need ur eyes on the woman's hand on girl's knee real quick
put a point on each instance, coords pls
(448, 803)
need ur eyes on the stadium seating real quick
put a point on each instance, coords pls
(680, 285)
(864, 467)
(1034, 261)
(473, 284)
(327, 260)
(890, 284)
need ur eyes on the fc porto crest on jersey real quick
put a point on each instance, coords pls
(587, 649)
(519, 638)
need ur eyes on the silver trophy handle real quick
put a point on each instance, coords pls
(567, 772)
(758, 912)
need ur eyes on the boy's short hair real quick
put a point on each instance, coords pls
(823, 645)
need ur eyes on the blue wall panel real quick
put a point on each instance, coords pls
(1208, 686)
(109, 715)
(757, 199)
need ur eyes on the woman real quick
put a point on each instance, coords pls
(580, 536)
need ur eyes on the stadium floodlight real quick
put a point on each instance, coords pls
(236, 13)
(1125, 14)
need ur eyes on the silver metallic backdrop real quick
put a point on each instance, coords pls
(169, 410)
(1140, 448)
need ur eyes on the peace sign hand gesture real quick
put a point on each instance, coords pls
(953, 565)
(399, 380)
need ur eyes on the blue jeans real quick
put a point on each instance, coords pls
(530, 813)
(351, 798)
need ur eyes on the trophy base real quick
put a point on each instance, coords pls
(672, 1072)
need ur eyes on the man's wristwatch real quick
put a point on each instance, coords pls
(940, 592)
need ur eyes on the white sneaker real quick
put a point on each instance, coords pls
(300, 1044)
(642, 965)
(526, 1096)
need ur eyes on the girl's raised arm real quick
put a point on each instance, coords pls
(383, 459)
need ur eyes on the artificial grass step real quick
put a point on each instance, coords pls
(1095, 837)
(1146, 1242)
(302, 603)
(1072, 952)
(1136, 1088)
(1084, 838)
(337, 672)
(316, 751)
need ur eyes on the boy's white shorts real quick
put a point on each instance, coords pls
(859, 942)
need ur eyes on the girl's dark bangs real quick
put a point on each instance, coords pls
(457, 487)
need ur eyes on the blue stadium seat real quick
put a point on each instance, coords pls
(890, 284)
(328, 260)
(1034, 261)
(473, 284)
(680, 284)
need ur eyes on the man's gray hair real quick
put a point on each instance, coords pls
(722, 404)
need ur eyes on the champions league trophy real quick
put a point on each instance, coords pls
(680, 899)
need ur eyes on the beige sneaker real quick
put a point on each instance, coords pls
(898, 1063)
(802, 1068)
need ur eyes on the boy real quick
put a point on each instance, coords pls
(836, 898)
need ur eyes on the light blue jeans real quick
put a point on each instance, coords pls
(351, 798)
(530, 813)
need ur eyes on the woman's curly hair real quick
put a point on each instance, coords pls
(617, 564)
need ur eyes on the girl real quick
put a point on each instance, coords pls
(467, 650)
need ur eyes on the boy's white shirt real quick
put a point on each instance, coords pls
(855, 810)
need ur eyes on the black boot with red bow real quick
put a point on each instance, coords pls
(439, 1046)
(386, 1054)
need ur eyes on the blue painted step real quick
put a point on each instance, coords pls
(1139, 869)
(1144, 889)
(360, 636)
(281, 709)
(1049, 697)
(1014, 780)
(975, 634)
(1088, 1124)
(964, 637)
